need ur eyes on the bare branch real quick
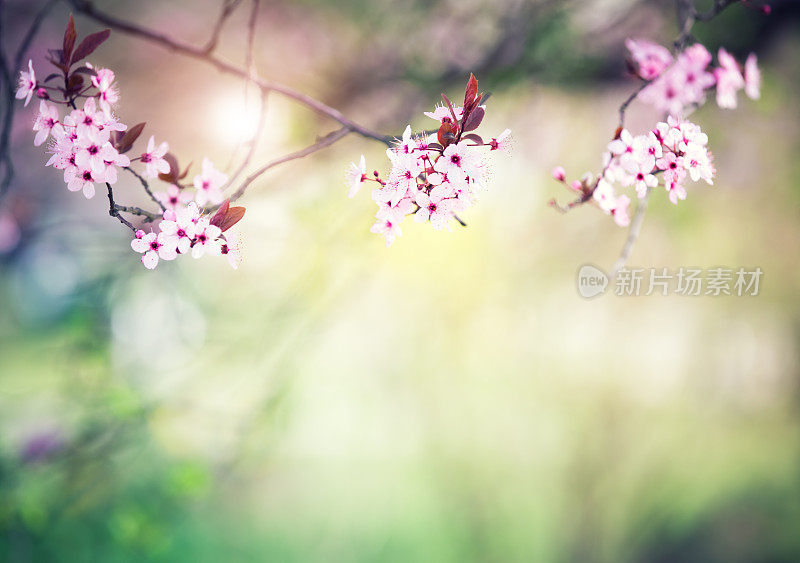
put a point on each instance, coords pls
(88, 9)
(146, 187)
(262, 117)
(228, 7)
(8, 80)
(633, 235)
(113, 209)
(320, 144)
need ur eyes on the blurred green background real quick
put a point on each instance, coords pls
(451, 398)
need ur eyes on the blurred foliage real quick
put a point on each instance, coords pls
(450, 399)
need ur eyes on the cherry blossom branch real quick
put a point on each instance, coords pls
(228, 7)
(146, 187)
(114, 210)
(88, 9)
(689, 14)
(7, 75)
(633, 235)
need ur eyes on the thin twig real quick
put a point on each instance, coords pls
(262, 118)
(146, 187)
(7, 75)
(228, 7)
(633, 234)
(88, 9)
(320, 143)
(113, 209)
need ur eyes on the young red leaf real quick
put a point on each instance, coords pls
(474, 119)
(89, 44)
(174, 170)
(85, 70)
(220, 214)
(233, 216)
(227, 216)
(473, 137)
(75, 83)
(472, 90)
(185, 172)
(69, 41)
(447, 133)
(126, 141)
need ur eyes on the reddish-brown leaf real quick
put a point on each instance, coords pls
(227, 216)
(69, 41)
(174, 169)
(89, 44)
(126, 141)
(474, 120)
(85, 70)
(473, 137)
(447, 133)
(185, 172)
(223, 209)
(75, 83)
(472, 90)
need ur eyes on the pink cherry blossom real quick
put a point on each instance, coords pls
(442, 113)
(47, 119)
(458, 160)
(80, 178)
(152, 247)
(436, 208)
(729, 80)
(27, 84)
(206, 238)
(174, 198)
(503, 142)
(651, 59)
(153, 158)
(620, 210)
(623, 144)
(388, 228)
(108, 95)
(209, 183)
(355, 176)
(559, 174)
(179, 229)
(675, 191)
(752, 77)
(232, 250)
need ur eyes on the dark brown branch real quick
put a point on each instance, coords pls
(88, 9)
(113, 209)
(146, 187)
(8, 80)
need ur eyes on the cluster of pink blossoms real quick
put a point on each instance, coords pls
(675, 150)
(89, 145)
(678, 84)
(434, 177)
(185, 230)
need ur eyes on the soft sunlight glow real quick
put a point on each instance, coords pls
(237, 121)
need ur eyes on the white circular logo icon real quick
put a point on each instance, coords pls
(592, 281)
